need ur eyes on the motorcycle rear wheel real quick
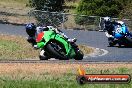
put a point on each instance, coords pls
(111, 42)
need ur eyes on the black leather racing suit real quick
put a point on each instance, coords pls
(109, 27)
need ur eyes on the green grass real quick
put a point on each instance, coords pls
(16, 47)
(9, 46)
(67, 80)
(53, 84)
(8, 49)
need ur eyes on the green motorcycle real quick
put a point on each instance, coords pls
(56, 46)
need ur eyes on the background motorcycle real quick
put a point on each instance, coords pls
(56, 46)
(121, 36)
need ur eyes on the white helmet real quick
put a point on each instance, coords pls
(107, 19)
(121, 22)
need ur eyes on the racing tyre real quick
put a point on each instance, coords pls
(56, 50)
(129, 41)
(111, 42)
(79, 55)
(43, 57)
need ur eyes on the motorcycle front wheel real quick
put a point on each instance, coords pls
(79, 55)
(111, 42)
(56, 50)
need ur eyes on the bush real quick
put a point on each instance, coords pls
(103, 8)
(100, 7)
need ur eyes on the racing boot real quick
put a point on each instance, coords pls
(35, 47)
(72, 40)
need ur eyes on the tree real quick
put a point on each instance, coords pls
(103, 8)
(100, 7)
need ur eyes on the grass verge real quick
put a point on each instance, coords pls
(62, 75)
(16, 47)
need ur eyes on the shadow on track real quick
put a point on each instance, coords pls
(121, 46)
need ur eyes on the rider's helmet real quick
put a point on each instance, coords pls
(107, 20)
(31, 29)
(121, 22)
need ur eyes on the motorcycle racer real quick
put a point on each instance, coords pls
(109, 26)
(32, 30)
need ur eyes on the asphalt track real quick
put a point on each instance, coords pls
(91, 38)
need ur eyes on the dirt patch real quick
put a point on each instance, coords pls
(52, 68)
(86, 49)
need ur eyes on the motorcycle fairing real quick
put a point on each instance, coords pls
(51, 35)
(120, 31)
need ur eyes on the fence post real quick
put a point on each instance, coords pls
(63, 20)
(29, 16)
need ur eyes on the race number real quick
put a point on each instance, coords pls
(118, 30)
